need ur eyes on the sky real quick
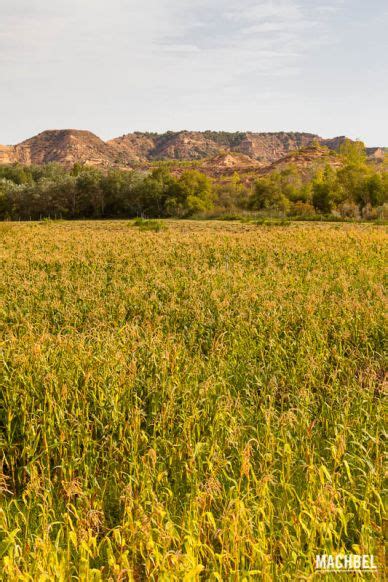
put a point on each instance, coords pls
(117, 66)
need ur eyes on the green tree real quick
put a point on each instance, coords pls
(325, 193)
(231, 194)
(17, 174)
(153, 193)
(267, 195)
(90, 200)
(374, 191)
(353, 152)
(191, 194)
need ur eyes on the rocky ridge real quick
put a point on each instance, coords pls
(215, 152)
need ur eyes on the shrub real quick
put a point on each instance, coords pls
(149, 224)
(300, 208)
(370, 213)
(348, 209)
(272, 222)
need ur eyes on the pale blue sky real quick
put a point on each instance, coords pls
(115, 66)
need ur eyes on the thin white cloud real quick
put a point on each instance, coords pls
(158, 63)
(283, 9)
(180, 48)
(267, 35)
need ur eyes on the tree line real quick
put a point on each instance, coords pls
(354, 189)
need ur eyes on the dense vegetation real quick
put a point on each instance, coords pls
(202, 401)
(353, 189)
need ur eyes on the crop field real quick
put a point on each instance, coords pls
(189, 400)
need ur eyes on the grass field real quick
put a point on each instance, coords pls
(201, 401)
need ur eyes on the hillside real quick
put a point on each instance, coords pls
(214, 153)
(306, 160)
(66, 147)
(69, 146)
(195, 145)
(223, 166)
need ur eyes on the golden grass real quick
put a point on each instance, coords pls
(203, 402)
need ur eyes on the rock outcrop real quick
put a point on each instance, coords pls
(66, 147)
(8, 155)
(245, 149)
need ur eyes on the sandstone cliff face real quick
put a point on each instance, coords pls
(132, 147)
(306, 160)
(72, 146)
(268, 147)
(227, 164)
(66, 147)
(223, 166)
(8, 154)
(182, 145)
(185, 146)
(195, 145)
(333, 143)
(377, 154)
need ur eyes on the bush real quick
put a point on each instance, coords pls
(300, 208)
(272, 222)
(370, 213)
(382, 212)
(146, 224)
(348, 209)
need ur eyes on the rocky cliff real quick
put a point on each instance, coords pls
(194, 145)
(67, 147)
(70, 146)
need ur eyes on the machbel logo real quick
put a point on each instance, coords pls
(345, 563)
